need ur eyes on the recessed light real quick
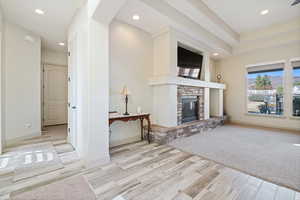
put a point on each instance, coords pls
(215, 54)
(29, 38)
(264, 12)
(61, 44)
(39, 11)
(297, 145)
(136, 17)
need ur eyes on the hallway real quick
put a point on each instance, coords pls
(58, 132)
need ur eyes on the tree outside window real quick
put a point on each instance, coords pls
(265, 92)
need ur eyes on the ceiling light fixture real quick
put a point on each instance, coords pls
(39, 11)
(61, 44)
(29, 38)
(264, 12)
(136, 17)
(215, 54)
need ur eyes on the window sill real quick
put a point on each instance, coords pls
(264, 115)
(295, 118)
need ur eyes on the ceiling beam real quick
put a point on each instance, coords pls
(186, 25)
(104, 10)
(199, 12)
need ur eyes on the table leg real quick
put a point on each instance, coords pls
(142, 128)
(149, 129)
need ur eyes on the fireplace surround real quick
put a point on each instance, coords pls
(190, 104)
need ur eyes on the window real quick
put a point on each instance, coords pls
(296, 88)
(265, 89)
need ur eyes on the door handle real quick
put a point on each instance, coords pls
(74, 107)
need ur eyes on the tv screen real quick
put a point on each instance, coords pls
(189, 63)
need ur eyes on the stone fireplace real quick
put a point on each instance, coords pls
(190, 104)
(182, 106)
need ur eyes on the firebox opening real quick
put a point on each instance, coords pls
(190, 108)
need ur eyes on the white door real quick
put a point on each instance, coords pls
(55, 95)
(72, 95)
(1, 134)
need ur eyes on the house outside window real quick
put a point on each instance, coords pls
(265, 90)
(296, 88)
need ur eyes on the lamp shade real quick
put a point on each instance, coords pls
(125, 91)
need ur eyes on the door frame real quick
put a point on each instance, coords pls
(1, 98)
(72, 90)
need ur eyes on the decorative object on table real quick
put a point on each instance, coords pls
(125, 92)
(139, 110)
(219, 77)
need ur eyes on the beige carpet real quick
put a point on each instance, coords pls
(35, 160)
(270, 155)
(74, 188)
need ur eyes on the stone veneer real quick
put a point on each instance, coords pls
(189, 91)
(164, 135)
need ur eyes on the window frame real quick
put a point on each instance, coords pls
(291, 61)
(284, 84)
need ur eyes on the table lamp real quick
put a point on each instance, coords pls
(125, 92)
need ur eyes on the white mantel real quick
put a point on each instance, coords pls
(165, 98)
(170, 80)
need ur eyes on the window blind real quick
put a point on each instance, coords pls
(265, 68)
(296, 64)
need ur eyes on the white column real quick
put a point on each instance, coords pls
(221, 102)
(91, 25)
(98, 93)
(206, 65)
(206, 103)
(288, 88)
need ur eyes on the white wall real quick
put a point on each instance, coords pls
(22, 80)
(1, 85)
(263, 49)
(54, 57)
(92, 58)
(131, 64)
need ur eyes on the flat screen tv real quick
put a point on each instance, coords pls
(189, 63)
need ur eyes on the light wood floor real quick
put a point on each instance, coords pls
(141, 171)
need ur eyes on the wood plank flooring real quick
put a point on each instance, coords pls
(151, 172)
(142, 171)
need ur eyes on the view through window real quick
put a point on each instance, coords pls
(296, 92)
(265, 92)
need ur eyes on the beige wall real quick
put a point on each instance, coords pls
(22, 83)
(233, 72)
(131, 64)
(54, 57)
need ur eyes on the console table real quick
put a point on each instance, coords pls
(134, 117)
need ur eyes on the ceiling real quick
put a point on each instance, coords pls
(241, 16)
(151, 21)
(52, 26)
(244, 15)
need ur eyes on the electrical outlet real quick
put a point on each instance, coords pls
(28, 125)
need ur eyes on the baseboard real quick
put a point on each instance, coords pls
(124, 141)
(249, 125)
(14, 141)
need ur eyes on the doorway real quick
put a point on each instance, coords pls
(55, 101)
